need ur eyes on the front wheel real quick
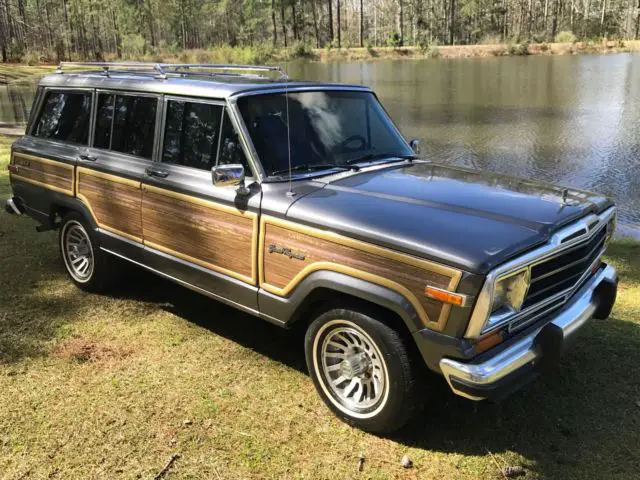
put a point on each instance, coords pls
(362, 370)
(86, 264)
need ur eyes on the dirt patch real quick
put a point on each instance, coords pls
(82, 350)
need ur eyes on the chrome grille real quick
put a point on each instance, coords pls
(562, 272)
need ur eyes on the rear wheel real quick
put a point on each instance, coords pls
(361, 369)
(88, 266)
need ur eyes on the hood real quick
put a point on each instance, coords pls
(469, 219)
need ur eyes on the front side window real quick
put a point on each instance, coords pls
(191, 135)
(126, 123)
(65, 117)
(325, 129)
(230, 148)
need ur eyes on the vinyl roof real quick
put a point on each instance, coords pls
(219, 86)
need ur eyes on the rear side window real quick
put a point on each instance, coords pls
(65, 117)
(192, 132)
(126, 123)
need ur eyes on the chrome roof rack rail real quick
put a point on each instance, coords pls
(176, 68)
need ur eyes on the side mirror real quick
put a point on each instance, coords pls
(415, 145)
(229, 176)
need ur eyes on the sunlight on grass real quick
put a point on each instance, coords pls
(110, 386)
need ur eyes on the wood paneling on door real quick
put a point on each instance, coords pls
(113, 201)
(43, 172)
(289, 252)
(215, 236)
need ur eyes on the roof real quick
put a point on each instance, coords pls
(221, 86)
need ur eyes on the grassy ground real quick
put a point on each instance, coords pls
(111, 386)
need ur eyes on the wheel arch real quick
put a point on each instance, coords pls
(330, 288)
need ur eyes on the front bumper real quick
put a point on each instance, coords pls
(506, 367)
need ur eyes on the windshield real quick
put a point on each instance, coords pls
(328, 129)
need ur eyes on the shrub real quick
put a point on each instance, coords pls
(301, 50)
(370, 50)
(133, 46)
(394, 40)
(433, 52)
(565, 37)
(518, 48)
(32, 58)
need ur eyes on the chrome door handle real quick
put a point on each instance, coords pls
(88, 158)
(157, 172)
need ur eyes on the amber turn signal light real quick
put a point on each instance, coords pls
(488, 342)
(445, 296)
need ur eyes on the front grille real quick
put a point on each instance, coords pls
(564, 271)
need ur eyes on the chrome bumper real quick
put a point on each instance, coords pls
(477, 381)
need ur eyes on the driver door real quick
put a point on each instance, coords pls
(201, 235)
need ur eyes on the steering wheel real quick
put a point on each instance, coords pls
(345, 147)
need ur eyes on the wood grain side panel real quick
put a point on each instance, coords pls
(280, 271)
(197, 231)
(114, 202)
(46, 173)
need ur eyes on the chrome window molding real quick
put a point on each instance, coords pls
(557, 245)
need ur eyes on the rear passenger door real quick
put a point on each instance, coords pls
(109, 174)
(203, 235)
(43, 161)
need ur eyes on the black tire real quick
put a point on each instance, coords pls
(75, 231)
(398, 400)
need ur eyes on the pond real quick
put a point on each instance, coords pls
(570, 120)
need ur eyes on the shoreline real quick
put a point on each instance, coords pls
(477, 51)
(260, 54)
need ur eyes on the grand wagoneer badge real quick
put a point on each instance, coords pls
(287, 252)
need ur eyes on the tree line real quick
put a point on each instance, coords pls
(53, 30)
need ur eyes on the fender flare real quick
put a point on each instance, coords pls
(288, 310)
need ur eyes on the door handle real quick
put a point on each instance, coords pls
(88, 158)
(157, 172)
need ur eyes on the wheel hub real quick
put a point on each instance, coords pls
(357, 365)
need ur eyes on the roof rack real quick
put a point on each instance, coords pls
(162, 69)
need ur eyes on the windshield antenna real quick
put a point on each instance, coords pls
(290, 193)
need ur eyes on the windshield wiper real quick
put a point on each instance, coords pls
(311, 167)
(379, 156)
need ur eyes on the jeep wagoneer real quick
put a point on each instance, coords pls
(301, 203)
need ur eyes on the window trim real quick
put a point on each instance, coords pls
(208, 101)
(115, 93)
(42, 95)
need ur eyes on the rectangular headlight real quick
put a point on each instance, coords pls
(507, 296)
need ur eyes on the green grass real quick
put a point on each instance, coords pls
(111, 386)
(13, 72)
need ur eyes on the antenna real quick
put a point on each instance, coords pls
(290, 193)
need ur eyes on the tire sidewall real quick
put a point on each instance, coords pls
(392, 414)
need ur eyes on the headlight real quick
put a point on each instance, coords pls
(509, 292)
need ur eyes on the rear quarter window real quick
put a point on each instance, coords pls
(64, 116)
